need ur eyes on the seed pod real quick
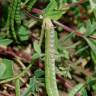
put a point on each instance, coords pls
(14, 5)
(50, 76)
(9, 18)
(18, 13)
(31, 4)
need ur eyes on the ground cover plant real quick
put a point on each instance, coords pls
(47, 47)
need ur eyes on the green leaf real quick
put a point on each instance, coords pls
(90, 27)
(81, 50)
(37, 47)
(3, 69)
(52, 12)
(94, 88)
(38, 73)
(82, 29)
(91, 43)
(50, 7)
(8, 73)
(23, 33)
(34, 83)
(93, 56)
(66, 54)
(5, 42)
(36, 56)
(62, 52)
(69, 36)
(33, 87)
(83, 92)
(55, 15)
(92, 4)
(75, 89)
(91, 81)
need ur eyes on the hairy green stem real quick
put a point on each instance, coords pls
(50, 75)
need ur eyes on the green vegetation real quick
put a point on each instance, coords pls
(48, 47)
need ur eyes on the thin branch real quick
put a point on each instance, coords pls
(68, 29)
(12, 53)
(22, 65)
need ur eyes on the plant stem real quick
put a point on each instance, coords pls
(42, 34)
(17, 87)
(50, 75)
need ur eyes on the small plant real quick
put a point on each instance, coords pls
(48, 47)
